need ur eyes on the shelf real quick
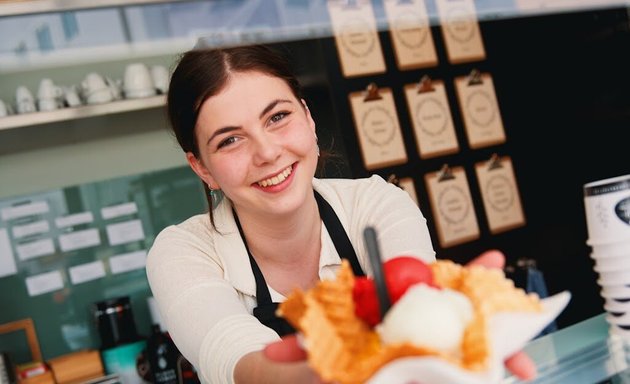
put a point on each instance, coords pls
(23, 7)
(38, 118)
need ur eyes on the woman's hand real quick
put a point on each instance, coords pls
(519, 364)
(288, 349)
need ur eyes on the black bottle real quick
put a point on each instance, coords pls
(162, 356)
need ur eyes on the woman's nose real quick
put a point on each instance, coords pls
(266, 149)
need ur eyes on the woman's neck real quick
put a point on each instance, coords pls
(286, 239)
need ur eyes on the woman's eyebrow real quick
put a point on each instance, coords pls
(221, 131)
(272, 105)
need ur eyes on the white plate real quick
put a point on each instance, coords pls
(509, 332)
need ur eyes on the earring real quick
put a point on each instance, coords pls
(215, 196)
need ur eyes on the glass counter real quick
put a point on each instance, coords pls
(584, 353)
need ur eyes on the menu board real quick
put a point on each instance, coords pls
(356, 37)
(480, 110)
(377, 127)
(410, 32)
(452, 206)
(431, 117)
(460, 30)
(499, 192)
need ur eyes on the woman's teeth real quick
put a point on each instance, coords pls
(279, 178)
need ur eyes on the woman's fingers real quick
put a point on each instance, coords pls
(285, 350)
(521, 366)
(491, 259)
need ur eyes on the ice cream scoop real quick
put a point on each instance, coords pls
(428, 317)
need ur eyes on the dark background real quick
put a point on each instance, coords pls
(563, 86)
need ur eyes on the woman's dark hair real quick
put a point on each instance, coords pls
(201, 74)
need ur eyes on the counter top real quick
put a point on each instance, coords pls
(584, 353)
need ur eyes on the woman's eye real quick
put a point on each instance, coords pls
(278, 116)
(227, 141)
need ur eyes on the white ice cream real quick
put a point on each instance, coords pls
(428, 317)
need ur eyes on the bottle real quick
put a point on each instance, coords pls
(162, 356)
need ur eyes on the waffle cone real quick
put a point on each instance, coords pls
(342, 348)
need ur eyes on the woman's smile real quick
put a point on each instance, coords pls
(277, 182)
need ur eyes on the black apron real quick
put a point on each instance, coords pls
(265, 312)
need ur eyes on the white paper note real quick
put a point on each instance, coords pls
(23, 210)
(128, 261)
(74, 219)
(20, 231)
(119, 210)
(44, 283)
(35, 248)
(125, 232)
(79, 239)
(87, 272)
(7, 261)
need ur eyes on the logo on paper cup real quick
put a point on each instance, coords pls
(622, 210)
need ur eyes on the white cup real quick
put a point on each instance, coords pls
(616, 291)
(95, 89)
(114, 87)
(607, 204)
(611, 264)
(48, 90)
(72, 96)
(4, 111)
(160, 77)
(606, 250)
(623, 320)
(49, 96)
(137, 81)
(24, 100)
(616, 307)
(614, 278)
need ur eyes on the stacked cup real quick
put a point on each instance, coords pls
(607, 204)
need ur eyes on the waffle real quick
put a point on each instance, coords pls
(342, 348)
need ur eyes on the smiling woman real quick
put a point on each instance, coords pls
(239, 116)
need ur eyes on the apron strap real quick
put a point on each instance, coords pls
(338, 234)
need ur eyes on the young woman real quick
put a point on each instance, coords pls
(272, 226)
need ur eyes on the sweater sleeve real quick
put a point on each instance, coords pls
(400, 226)
(204, 314)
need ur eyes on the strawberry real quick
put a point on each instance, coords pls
(400, 273)
(366, 305)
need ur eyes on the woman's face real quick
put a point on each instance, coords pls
(257, 144)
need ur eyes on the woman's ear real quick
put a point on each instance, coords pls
(311, 122)
(200, 169)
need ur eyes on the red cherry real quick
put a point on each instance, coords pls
(404, 271)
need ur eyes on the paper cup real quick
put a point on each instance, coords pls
(617, 308)
(614, 278)
(607, 204)
(611, 264)
(614, 249)
(622, 321)
(619, 291)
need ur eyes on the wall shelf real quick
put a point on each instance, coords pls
(23, 7)
(39, 118)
